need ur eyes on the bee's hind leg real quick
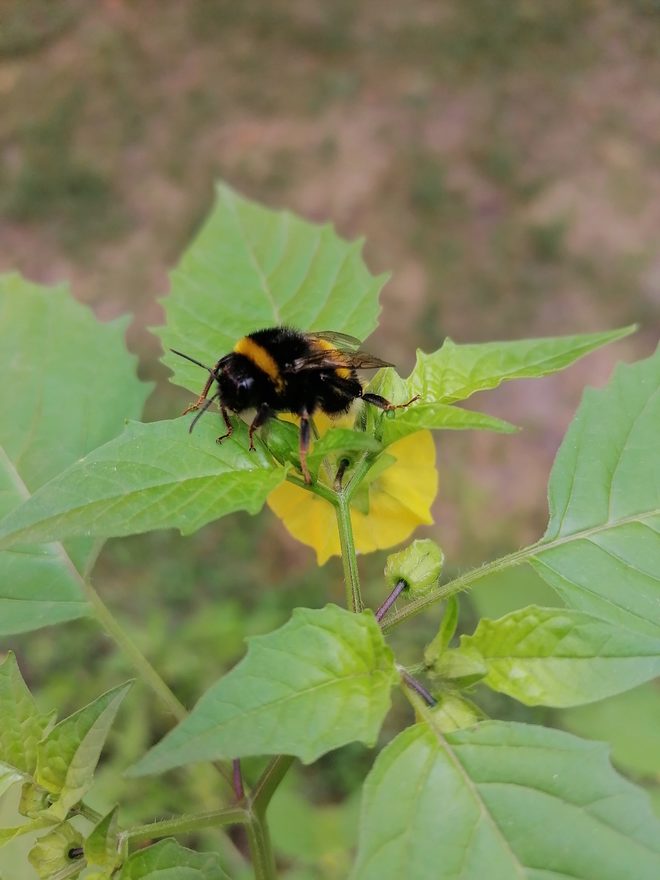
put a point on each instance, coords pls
(263, 414)
(303, 443)
(382, 403)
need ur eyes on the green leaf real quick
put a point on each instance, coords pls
(101, 846)
(9, 834)
(601, 551)
(502, 801)
(70, 752)
(440, 642)
(249, 268)
(9, 776)
(72, 385)
(462, 667)
(319, 682)
(342, 440)
(167, 860)
(22, 725)
(455, 372)
(439, 416)
(559, 657)
(153, 476)
(58, 855)
(453, 712)
(630, 723)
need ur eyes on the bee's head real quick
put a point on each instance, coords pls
(237, 382)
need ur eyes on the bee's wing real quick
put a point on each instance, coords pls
(331, 359)
(341, 340)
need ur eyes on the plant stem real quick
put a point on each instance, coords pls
(185, 824)
(391, 599)
(416, 686)
(237, 778)
(147, 672)
(268, 782)
(348, 557)
(261, 851)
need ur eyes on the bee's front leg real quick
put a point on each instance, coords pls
(200, 400)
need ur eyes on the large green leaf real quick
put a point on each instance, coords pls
(455, 372)
(319, 682)
(70, 384)
(502, 801)
(560, 657)
(168, 860)
(22, 725)
(68, 755)
(249, 268)
(153, 476)
(601, 551)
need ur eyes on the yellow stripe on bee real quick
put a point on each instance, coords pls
(342, 372)
(261, 358)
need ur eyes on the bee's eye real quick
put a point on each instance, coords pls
(245, 384)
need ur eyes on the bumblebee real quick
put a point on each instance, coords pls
(280, 369)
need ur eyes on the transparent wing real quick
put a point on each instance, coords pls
(331, 359)
(341, 340)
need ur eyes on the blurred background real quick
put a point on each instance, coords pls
(502, 161)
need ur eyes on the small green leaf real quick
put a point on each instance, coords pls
(73, 384)
(153, 476)
(453, 712)
(9, 834)
(58, 855)
(101, 846)
(69, 753)
(9, 776)
(455, 372)
(282, 441)
(250, 267)
(22, 724)
(168, 860)
(601, 551)
(464, 667)
(502, 801)
(419, 565)
(559, 657)
(342, 440)
(319, 682)
(445, 633)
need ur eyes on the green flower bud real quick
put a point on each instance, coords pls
(419, 565)
(54, 852)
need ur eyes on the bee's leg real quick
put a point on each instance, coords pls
(230, 427)
(303, 444)
(382, 403)
(263, 414)
(202, 397)
(339, 476)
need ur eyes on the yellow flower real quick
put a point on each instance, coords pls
(394, 499)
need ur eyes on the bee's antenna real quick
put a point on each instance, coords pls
(192, 360)
(207, 404)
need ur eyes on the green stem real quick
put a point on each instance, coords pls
(316, 488)
(348, 555)
(185, 824)
(261, 851)
(268, 782)
(140, 663)
(456, 585)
